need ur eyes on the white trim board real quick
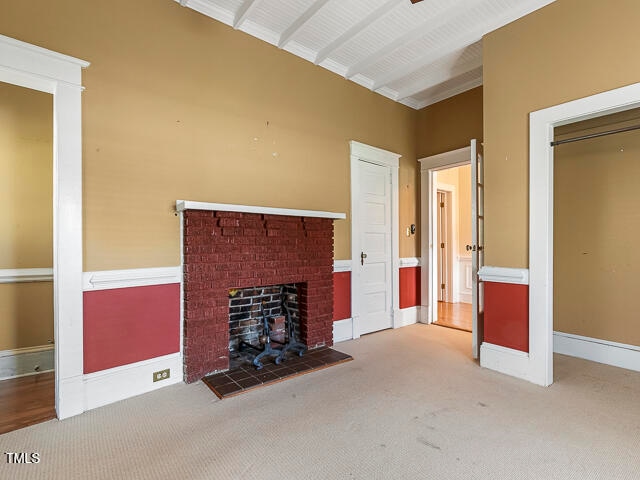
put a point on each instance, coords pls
(407, 316)
(518, 276)
(504, 360)
(119, 383)
(137, 277)
(20, 275)
(541, 160)
(341, 266)
(343, 330)
(410, 262)
(182, 205)
(39, 69)
(601, 351)
(361, 152)
(26, 361)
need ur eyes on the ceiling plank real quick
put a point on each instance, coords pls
(374, 16)
(243, 12)
(441, 76)
(457, 43)
(412, 35)
(288, 34)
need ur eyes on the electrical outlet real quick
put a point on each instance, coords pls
(161, 375)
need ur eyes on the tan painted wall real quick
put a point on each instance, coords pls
(567, 50)
(460, 177)
(596, 227)
(26, 314)
(179, 106)
(26, 190)
(450, 124)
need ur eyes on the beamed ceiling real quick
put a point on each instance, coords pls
(416, 54)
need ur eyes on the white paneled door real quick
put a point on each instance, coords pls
(375, 261)
(477, 247)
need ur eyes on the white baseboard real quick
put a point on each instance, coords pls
(406, 316)
(115, 384)
(601, 351)
(464, 298)
(26, 361)
(423, 314)
(342, 330)
(505, 360)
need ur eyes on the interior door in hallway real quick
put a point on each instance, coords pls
(477, 246)
(375, 265)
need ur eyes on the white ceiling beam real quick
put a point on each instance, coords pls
(374, 16)
(440, 77)
(412, 35)
(243, 12)
(295, 27)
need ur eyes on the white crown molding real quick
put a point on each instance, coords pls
(182, 205)
(450, 92)
(410, 262)
(341, 266)
(137, 277)
(19, 275)
(519, 276)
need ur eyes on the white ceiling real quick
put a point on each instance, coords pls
(414, 54)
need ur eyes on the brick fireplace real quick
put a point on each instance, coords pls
(225, 250)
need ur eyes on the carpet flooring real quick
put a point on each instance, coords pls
(411, 405)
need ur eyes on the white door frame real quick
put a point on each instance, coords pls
(429, 271)
(452, 225)
(362, 152)
(39, 69)
(541, 134)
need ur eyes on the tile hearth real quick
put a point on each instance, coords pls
(244, 376)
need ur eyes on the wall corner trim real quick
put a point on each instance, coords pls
(137, 277)
(519, 276)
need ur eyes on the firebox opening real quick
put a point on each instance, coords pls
(246, 321)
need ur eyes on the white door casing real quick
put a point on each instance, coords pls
(374, 232)
(539, 364)
(39, 69)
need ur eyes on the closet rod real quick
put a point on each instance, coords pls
(595, 135)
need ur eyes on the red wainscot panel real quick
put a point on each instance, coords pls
(409, 287)
(506, 315)
(128, 325)
(341, 295)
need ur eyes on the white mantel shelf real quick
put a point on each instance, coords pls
(182, 205)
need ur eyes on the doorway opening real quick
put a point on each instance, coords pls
(537, 366)
(27, 385)
(595, 224)
(453, 234)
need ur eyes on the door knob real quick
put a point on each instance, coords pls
(471, 248)
(362, 257)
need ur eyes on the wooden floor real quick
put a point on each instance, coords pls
(26, 400)
(455, 315)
